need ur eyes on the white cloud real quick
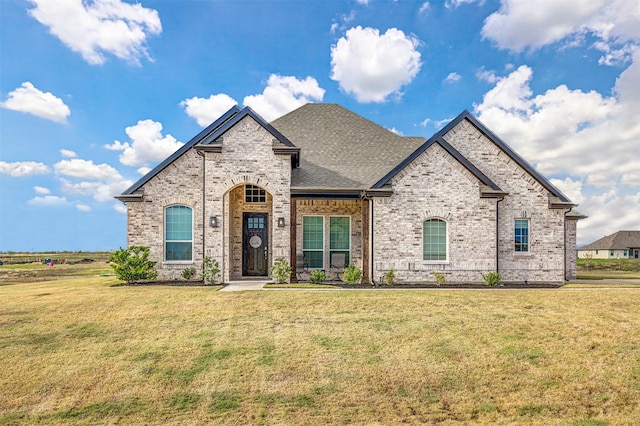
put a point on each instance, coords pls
(30, 100)
(585, 141)
(143, 170)
(86, 169)
(23, 168)
(371, 66)
(93, 28)
(284, 94)
(396, 131)
(79, 188)
(426, 6)
(120, 208)
(363, 2)
(147, 144)
(83, 207)
(486, 75)
(47, 200)
(452, 4)
(106, 192)
(608, 212)
(41, 190)
(68, 153)
(520, 25)
(453, 77)
(207, 110)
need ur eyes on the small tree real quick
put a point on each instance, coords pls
(210, 270)
(133, 264)
(280, 271)
(352, 275)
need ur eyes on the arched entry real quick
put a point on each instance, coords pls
(249, 231)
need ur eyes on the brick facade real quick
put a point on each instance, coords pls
(386, 232)
(434, 185)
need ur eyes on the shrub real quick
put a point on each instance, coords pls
(133, 264)
(390, 277)
(187, 273)
(492, 278)
(280, 271)
(210, 270)
(318, 277)
(352, 274)
(440, 277)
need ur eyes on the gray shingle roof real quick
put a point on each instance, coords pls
(340, 149)
(621, 240)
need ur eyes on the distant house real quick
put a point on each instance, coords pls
(323, 187)
(621, 245)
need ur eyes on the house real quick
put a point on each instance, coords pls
(323, 187)
(620, 245)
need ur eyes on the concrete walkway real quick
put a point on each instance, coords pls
(244, 285)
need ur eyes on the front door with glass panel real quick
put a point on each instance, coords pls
(255, 243)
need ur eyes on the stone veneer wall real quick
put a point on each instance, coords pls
(247, 157)
(571, 259)
(527, 199)
(434, 185)
(178, 184)
(327, 208)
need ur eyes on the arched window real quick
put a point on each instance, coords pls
(178, 231)
(434, 239)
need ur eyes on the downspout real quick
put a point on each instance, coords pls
(371, 251)
(498, 234)
(564, 239)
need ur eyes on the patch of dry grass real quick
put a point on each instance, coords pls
(81, 351)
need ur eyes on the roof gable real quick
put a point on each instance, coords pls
(491, 189)
(561, 199)
(210, 139)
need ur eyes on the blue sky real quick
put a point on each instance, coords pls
(94, 93)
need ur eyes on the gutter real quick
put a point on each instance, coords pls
(498, 234)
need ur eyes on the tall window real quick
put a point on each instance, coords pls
(434, 239)
(522, 235)
(313, 241)
(178, 233)
(254, 194)
(339, 241)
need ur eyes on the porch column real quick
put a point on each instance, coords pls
(365, 241)
(293, 226)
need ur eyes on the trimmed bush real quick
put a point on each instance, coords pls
(492, 278)
(318, 277)
(210, 271)
(352, 275)
(280, 271)
(440, 277)
(390, 277)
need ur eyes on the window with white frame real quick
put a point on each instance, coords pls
(178, 233)
(313, 241)
(434, 240)
(339, 241)
(521, 232)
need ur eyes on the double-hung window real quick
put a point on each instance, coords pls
(339, 241)
(521, 230)
(434, 240)
(178, 233)
(313, 241)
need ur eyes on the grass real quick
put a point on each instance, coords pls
(84, 352)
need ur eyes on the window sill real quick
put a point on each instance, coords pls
(435, 262)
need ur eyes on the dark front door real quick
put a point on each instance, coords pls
(255, 243)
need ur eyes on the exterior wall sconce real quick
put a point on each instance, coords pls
(281, 222)
(213, 221)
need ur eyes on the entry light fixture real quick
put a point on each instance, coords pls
(281, 222)
(213, 221)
